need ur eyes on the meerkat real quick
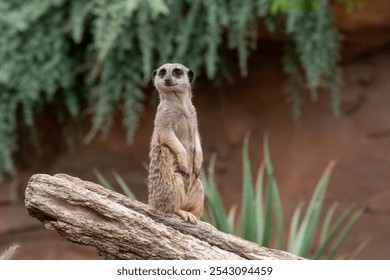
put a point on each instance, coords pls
(175, 149)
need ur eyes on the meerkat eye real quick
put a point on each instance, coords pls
(177, 72)
(162, 72)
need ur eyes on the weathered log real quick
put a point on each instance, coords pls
(88, 214)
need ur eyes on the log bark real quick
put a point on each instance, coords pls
(88, 214)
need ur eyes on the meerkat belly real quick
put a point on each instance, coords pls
(186, 135)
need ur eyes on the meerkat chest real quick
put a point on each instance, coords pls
(185, 126)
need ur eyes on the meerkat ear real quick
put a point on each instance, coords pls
(190, 74)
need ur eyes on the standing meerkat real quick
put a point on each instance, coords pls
(175, 151)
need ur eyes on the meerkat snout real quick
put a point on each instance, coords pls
(168, 82)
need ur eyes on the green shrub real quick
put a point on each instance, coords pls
(262, 217)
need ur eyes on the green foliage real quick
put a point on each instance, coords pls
(284, 6)
(96, 56)
(262, 221)
(220, 218)
(351, 4)
(302, 236)
(30, 75)
(316, 54)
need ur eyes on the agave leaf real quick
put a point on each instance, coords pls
(344, 233)
(259, 212)
(268, 224)
(215, 205)
(359, 249)
(314, 210)
(329, 237)
(232, 216)
(305, 236)
(296, 246)
(273, 201)
(326, 224)
(279, 215)
(205, 217)
(294, 227)
(209, 203)
(247, 221)
(103, 180)
(212, 202)
(269, 196)
(342, 257)
(126, 189)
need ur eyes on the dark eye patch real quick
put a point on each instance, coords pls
(162, 72)
(177, 72)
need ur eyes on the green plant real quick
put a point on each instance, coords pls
(351, 4)
(119, 180)
(262, 221)
(217, 214)
(317, 55)
(94, 58)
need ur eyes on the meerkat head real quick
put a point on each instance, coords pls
(173, 78)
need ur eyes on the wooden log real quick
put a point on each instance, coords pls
(88, 214)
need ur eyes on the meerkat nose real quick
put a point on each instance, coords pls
(168, 81)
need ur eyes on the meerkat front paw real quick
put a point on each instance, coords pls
(198, 163)
(187, 216)
(183, 168)
(196, 172)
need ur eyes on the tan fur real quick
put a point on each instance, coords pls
(175, 151)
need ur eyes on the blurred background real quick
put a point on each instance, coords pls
(314, 76)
